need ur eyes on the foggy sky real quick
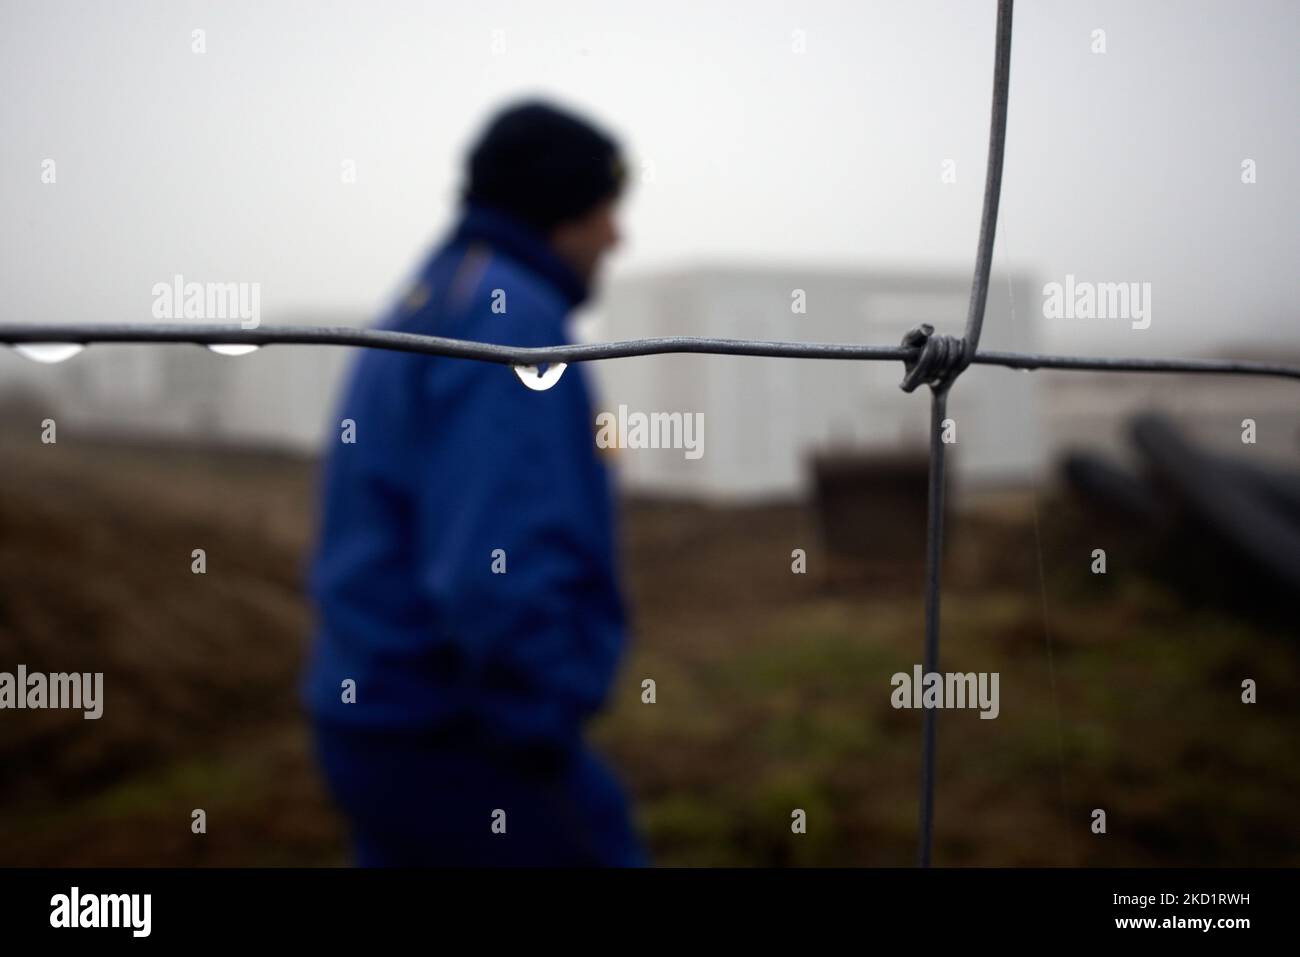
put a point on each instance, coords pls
(225, 166)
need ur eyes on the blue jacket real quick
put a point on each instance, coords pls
(454, 459)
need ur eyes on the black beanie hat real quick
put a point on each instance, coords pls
(543, 165)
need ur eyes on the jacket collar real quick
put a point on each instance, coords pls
(513, 238)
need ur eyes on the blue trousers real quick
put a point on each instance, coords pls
(416, 800)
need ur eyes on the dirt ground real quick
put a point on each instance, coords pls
(1119, 692)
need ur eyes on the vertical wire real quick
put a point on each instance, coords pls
(992, 178)
(939, 404)
(933, 561)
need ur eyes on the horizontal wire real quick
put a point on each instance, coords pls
(86, 334)
(1029, 361)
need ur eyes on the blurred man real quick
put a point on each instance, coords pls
(470, 615)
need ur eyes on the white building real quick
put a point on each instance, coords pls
(281, 396)
(764, 417)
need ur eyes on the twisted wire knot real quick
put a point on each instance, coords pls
(940, 361)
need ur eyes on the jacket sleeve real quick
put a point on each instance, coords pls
(508, 547)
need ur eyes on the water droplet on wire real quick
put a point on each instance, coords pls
(536, 379)
(49, 351)
(233, 348)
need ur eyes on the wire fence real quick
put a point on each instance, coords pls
(928, 360)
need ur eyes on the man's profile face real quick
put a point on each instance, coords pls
(583, 242)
